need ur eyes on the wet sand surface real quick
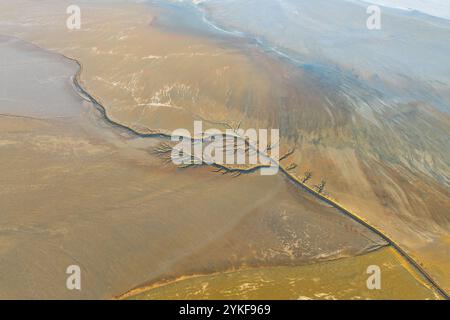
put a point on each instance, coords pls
(382, 134)
(76, 190)
(310, 282)
(152, 77)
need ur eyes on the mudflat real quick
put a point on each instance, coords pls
(74, 187)
(78, 190)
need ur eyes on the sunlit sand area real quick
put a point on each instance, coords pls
(81, 183)
(317, 281)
